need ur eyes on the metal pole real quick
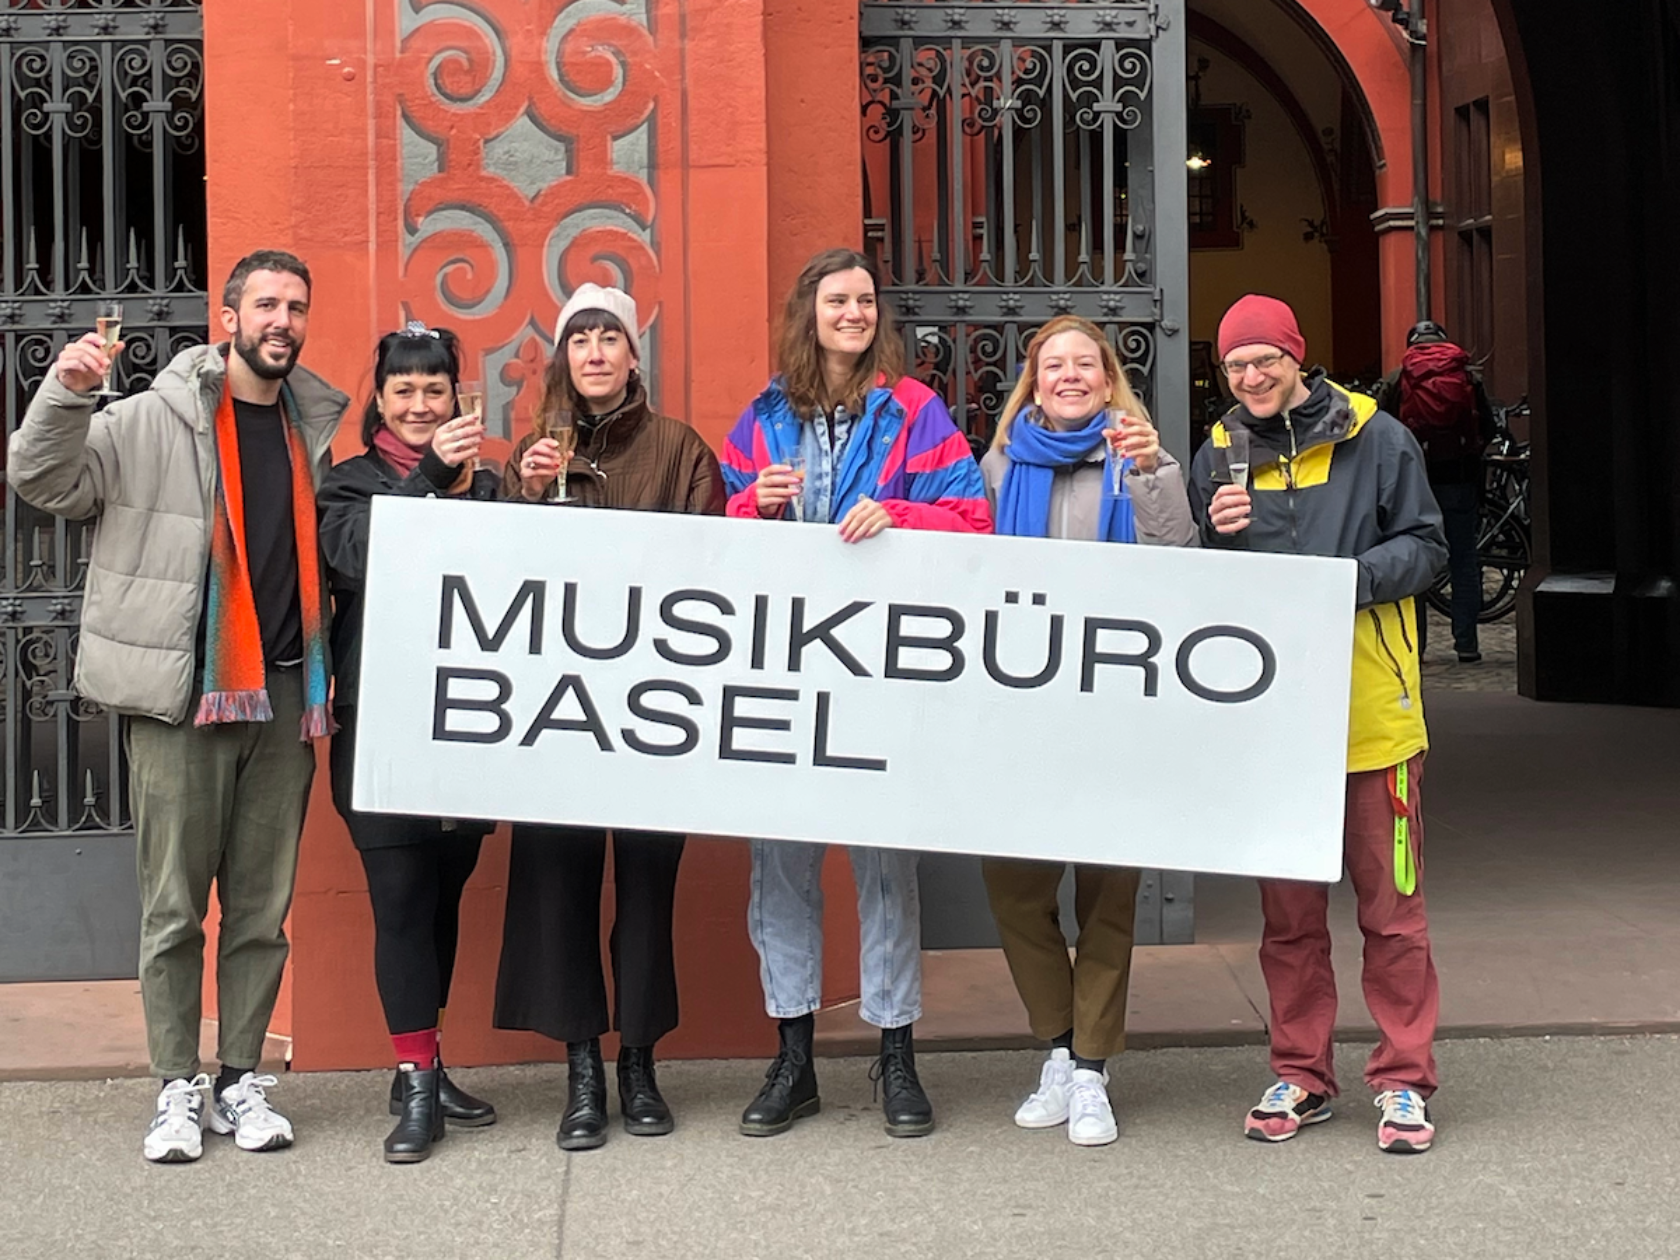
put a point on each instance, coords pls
(1416, 32)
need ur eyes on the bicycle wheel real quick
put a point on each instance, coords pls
(1504, 559)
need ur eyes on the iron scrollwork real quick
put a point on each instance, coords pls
(101, 196)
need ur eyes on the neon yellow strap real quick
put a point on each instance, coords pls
(1405, 869)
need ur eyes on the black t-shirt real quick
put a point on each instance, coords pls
(265, 470)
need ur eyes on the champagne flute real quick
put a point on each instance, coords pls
(1116, 460)
(1236, 458)
(469, 397)
(796, 466)
(109, 321)
(564, 433)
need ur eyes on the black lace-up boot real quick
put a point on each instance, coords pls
(584, 1126)
(790, 1085)
(459, 1107)
(908, 1111)
(639, 1100)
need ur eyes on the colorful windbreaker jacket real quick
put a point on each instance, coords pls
(1338, 477)
(904, 452)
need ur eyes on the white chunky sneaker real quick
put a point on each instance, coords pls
(243, 1110)
(1090, 1117)
(176, 1135)
(1048, 1105)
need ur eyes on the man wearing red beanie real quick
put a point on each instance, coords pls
(1332, 475)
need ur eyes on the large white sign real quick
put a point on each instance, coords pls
(1087, 702)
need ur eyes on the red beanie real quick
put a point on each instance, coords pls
(1261, 321)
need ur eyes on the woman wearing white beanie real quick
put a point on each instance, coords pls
(594, 425)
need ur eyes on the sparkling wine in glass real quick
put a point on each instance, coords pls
(796, 465)
(108, 322)
(469, 396)
(564, 433)
(1116, 471)
(1236, 458)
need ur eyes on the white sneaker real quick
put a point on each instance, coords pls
(1090, 1117)
(243, 1110)
(176, 1135)
(1048, 1106)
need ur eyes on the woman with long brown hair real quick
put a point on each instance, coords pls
(841, 437)
(1075, 456)
(597, 443)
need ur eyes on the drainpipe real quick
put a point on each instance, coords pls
(1408, 16)
(1416, 38)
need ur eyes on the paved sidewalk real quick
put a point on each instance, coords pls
(1548, 1149)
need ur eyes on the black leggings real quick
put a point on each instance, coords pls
(416, 895)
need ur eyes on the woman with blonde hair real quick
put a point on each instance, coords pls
(1075, 456)
(842, 438)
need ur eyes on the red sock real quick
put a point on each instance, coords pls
(418, 1048)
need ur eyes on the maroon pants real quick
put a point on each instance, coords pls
(1399, 977)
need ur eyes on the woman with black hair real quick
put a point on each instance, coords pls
(597, 443)
(417, 444)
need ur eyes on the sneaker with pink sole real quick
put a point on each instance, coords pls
(1283, 1111)
(1405, 1128)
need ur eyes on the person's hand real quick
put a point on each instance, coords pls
(1136, 440)
(866, 519)
(82, 364)
(456, 441)
(538, 468)
(1230, 509)
(777, 485)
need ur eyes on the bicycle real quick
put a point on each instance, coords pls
(1503, 539)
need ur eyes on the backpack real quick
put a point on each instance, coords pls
(1438, 401)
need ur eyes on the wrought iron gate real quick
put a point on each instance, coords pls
(101, 196)
(1025, 159)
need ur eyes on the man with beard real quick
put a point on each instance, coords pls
(1304, 467)
(204, 621)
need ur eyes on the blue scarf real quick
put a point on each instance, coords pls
(1035, 453)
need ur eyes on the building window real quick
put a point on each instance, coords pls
(1216, 150)
(1473, 224)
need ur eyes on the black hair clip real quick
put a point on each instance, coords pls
(414, 328)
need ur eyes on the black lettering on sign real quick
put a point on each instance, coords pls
(632, 626)
(822, 757)
(1024, 682)
(800, 638)
(445, 702)
(898, 641)
(721, 642)
(569, 685)
(1261, 685)
(1144, 660)
(640, 708)
(731, 721)
(533, 592)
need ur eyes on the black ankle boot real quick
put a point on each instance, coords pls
(584, 1125)
(639, 1100)
(908, 1111)
(459, 1107)
(421, 1118)
(790, 1086)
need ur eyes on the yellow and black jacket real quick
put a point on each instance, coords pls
(1338, 477)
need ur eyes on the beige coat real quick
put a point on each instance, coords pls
(1159, 499)
(146, 467)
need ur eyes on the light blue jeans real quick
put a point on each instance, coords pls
(785, 921)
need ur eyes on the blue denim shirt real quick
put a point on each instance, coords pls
(823, 444)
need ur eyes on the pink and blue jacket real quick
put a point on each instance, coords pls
(904, 452)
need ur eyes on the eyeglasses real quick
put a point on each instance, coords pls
(1264, 363)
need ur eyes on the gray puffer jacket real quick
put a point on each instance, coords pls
(146, 467)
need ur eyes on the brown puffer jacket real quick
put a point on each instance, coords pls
(634, 458)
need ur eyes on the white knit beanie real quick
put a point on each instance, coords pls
(615, 302)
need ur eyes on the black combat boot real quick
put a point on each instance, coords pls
(790, 1086)
(639, 1100)
(584, 1125)
(908, 1111)
(459, 1107)
(420, 1120)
